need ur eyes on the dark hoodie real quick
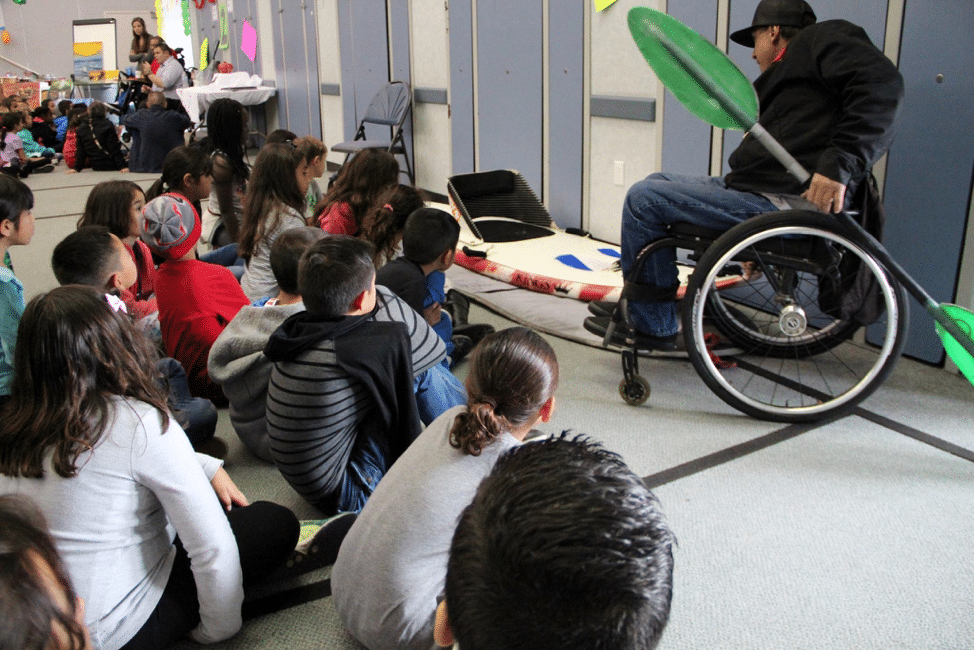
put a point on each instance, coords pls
(335, 380)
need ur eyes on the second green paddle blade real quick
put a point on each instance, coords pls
(961, 357)
(657, 35)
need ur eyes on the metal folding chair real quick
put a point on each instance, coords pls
(389, 107)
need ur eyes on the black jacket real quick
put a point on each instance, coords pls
(831, 101)
(155, 132)
(98, 147)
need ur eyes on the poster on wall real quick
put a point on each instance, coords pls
(88, 57)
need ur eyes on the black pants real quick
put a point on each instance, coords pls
(266, 534)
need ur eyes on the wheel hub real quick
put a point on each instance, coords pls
(792, 320)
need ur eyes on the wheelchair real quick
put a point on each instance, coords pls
(802, 349)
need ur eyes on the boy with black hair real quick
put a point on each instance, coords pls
(237, 358)
(95, 257)
(340, 402)
(429, 244)
(589, 534)
(61, 121)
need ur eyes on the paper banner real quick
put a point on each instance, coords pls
(602, 4)
(248, 40)
(187, 22)
(160, 19)
(205, 53)
(224, 28)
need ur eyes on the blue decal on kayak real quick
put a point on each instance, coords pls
(611, 252)
(572, 261)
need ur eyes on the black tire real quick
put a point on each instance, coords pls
(794, 363)
(635, 394)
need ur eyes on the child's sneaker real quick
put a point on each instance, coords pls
(318, 545)
(462, 345)
(475, 331)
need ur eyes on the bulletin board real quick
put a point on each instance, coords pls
(101, 30)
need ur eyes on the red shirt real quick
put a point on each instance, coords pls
(338, 220)
(196, 301)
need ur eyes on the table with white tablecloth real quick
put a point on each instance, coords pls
(244, 88)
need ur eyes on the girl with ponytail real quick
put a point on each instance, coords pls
(393, 559)
(384, 225)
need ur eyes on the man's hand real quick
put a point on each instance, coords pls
(826, 194)
(226, 490)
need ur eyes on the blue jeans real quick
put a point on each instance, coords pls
(663, 199)
(437, 390)
(226, 256)
(436, 292)
(197, 416)
(367, 464)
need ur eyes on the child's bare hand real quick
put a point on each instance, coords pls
(226, 490)
(432, 313)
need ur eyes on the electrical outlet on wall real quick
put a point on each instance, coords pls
(619, 173)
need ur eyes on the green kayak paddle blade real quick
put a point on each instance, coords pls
(692, 68)
(965, 321)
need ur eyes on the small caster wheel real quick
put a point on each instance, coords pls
(636, 393)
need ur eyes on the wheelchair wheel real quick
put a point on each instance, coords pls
(795, 361)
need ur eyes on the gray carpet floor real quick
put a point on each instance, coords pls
(853, 534)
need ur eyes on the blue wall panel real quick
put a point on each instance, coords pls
(928, 179)
(509, 88)
(399, 33)
(365, 60)
(461, 86)
(297, 68)
(566, 96)
(686, 138)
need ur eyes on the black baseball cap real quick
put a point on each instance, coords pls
(786, 13)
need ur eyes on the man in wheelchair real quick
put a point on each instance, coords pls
(826, 93)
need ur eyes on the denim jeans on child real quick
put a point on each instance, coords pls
(663, 199)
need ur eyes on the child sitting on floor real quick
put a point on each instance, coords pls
(340, 402)
(429, 246)
(274, 203)
(395, 555)
(237, 358)
(95, 257)
(117, 205)
(196, 299)
(16, 229)
(13, 158)
(563, 546)
(386, 221)
(358, 185)
(157, 539)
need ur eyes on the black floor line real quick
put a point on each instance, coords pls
(881, 420)
(916, 434)
(729, 454)
(286, 599)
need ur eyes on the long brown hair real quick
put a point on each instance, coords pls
(31, 610)
(273, 184)
(513, 373)
(110, 204)
(360, 181)
(387, 218)
(74, 354)
(140, 44)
